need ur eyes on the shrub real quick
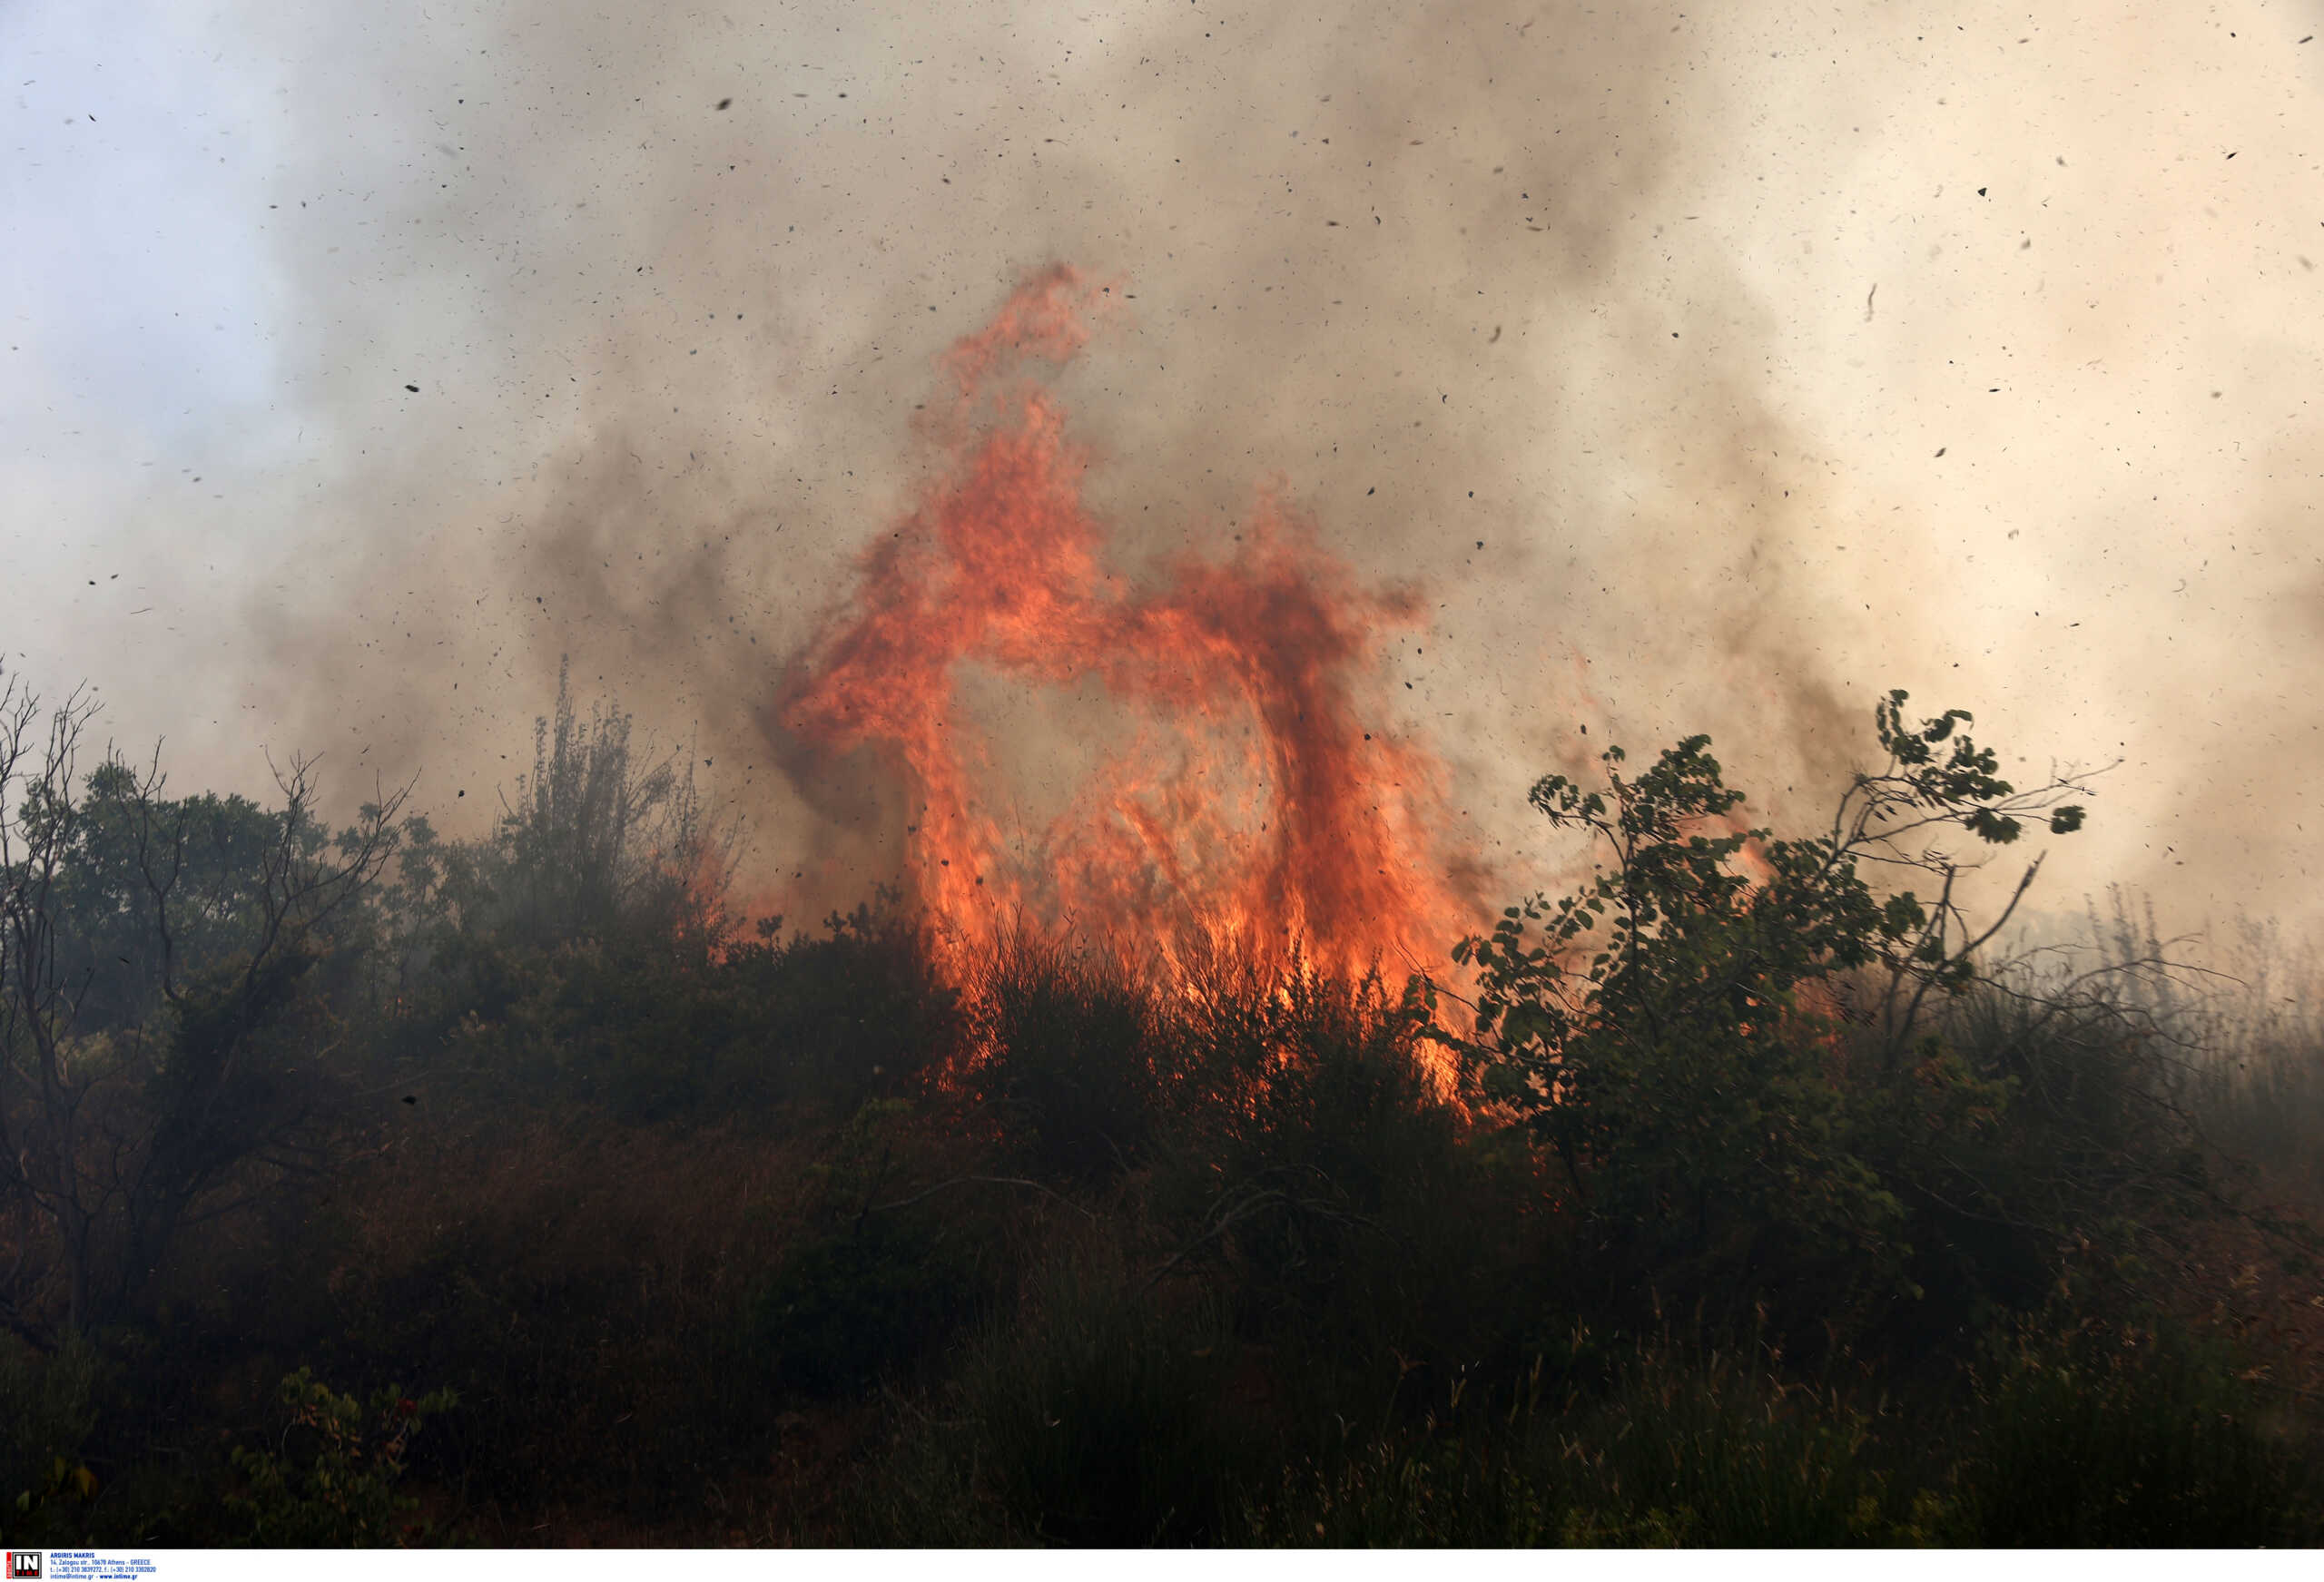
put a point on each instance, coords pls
(2108, 1434)
(817, 1023)
(48, 1412)
(329, 1481)
(847, 1308)
(1095, 1417)
(1067, 1042)
(1723, 1037)
(1669, 1446)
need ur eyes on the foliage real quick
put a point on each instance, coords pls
(606, 841)
(877, 1288)
(1673, 1033)
(1306, 1165)
(734, 1234)
(1094, 1417)
(1068, 1043)
(820, 1023)
(847, 1308)
(331, 1480)
(126, 1111)
(47, 1414)
(112, 936)
(2093, 1433)
(1657, 1445)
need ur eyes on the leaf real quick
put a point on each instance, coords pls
(1996, 829)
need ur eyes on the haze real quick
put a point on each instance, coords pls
(1710, 369)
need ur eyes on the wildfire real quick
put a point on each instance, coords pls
(1250, 802)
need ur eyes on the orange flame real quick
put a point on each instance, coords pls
(1252, 804)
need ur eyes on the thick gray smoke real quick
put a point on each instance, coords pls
(1712, 368)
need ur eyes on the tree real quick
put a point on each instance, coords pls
(127, 1101)
(1674, 1031)
(605, 839)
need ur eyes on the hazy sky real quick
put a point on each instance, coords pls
(1776, 354)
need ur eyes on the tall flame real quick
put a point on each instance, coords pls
(1250, 804)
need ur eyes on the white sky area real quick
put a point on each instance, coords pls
(1776, 354)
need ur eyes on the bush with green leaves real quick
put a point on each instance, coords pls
(879, 1282)
(47, 1414)
(2089, 1433)
(815, 1023)
(329, 1479)
(1068, 1045)
(609, 839)
(1095, 1415)
(1306, 1164)
(1648, 1445)
(1723, 1035)
(846, 1308)
(158, 957)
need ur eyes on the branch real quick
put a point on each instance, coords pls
(987, 1181)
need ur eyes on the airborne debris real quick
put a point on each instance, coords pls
(724, 102)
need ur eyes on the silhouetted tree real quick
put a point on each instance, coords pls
(150, 951)
(605, 839)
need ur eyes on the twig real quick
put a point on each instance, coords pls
(985, 1180)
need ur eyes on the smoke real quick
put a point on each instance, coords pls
(1704, 371)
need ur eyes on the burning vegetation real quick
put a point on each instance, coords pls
(1253, 797)
(1198, 1164)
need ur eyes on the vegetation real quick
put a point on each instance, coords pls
(1748, 1194)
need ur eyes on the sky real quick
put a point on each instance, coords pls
(1711, 369)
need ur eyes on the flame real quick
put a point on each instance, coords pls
(1250, 802)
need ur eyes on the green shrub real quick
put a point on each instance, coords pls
(1098, 1414)
(328, 1480)
(1671, 1447)
(2113, 1435)
(1765, 1081)
(1069, 1042)
(48, 1412)
(819, 1023)
(849, 1307)
(837, 1019)
(1310, 1168)
(1092, 1416)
